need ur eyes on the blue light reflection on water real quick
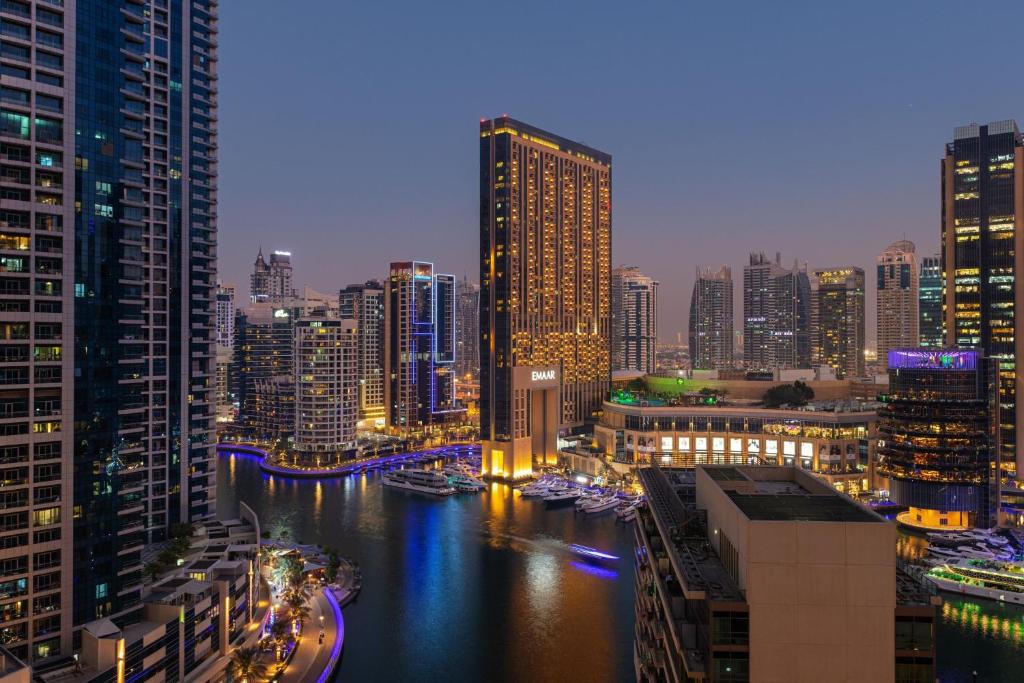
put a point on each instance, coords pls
(594, 570)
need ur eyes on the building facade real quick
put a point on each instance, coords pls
(937, 438)
(545, 299)
(264, 349)
(419, 349)
(272, 282)
(897, 298)
(982, 248)
(634, 320)
(839, 320)
(326, 388)
(711, 320)
(776, 315)
(225, 315)
(930, 332)
(365, 304)
(467, 331)
(767, 574)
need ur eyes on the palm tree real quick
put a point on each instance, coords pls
(301, 613)
(296, 599)
(246, 665)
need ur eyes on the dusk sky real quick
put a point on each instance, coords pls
(349, 130)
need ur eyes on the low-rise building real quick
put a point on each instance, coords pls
(768, 574)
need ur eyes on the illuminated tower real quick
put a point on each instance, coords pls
(776, 315)
(982, 251)
(711, 320)
(930, 303)
(365, 304)
(545, 276)
(897, 298)
(839, 320)
(634, 320)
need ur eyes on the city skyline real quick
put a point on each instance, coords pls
(876, 183)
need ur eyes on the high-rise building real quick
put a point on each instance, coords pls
(108, 142)
(545, 300)
(226, 315)
(937, 435)
(264, 341)
(839, 320)
(634, 320)
(776, 315)
(325, 388)
(419, 348)
(272, 282)
(711, 320)
(768, 574)
(897, 299)
(225, 335)
(365, 304)
(467, 330)
(982, 220)
(930, 303)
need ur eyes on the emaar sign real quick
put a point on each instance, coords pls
(542, 375)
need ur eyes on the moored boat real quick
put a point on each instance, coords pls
(422, 481)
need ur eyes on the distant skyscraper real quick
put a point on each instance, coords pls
(264, 341)
(467, 330)
(930, 303)
(982, 229)
(226, 315)
(897, 292)
(776, 315)
(545, 278)
(839, 320)
(711, 320)
(365, 304)
(634, 320)
(272, 282)
(326, 401)
(419, 343)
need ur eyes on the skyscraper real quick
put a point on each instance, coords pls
(365, 304)
(272, 282)
(711, 320)
(634, 320)
(776, 315)
(225, 315)
(930, 303)
(467, 330)
(897, 292)
(982, 219)
(419, 348)
(264, 350)
(839, 320)
(545, 301)
(325, 389)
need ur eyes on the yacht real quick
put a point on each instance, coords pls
(1002, 581)
(973, 551)
(595, 505)
(626, 512)
(944, 552)
(987, 537)
(466, 482)
(564, 496)
(423, 481)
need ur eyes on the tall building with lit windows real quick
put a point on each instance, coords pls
(711, 320)
(108, 174)
(634, 320)
(776, 315)
(838, 295)
(982, 252)
(930, 303)
(545, 300)
(419, 349)
(272, 282)
(365, 304)
(467, 330)
(326, 395)
(897, 299)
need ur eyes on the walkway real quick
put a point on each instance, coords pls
(314, 662)
(346, 468)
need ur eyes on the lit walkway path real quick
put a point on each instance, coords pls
(314, 662)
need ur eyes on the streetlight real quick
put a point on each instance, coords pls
(321, 621)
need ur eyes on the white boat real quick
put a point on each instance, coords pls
(534, 490)
(943, 552)
(627, 512)
(988, 537)
(466, 482)
(596, 505)
(975, 552)
(1002, 581)
(423, 481)
(564, 496)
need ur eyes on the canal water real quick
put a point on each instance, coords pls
(481, 587)
(472, 587)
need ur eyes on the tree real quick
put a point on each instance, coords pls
(295, 600)
(301, 613)
(795, 394)
(246, 665)
(281, 631)
(333, 565)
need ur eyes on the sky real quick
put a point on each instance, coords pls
(349, 130)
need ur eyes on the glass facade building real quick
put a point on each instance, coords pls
(634, 320)
(839, 320)
(711, 320)
(930, 303)
(937, 438)
(365, 304)
(897, 299)
(776, 315)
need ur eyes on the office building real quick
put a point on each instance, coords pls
(467, 331)
(225, 315)
(365, 304)
(929, 290)
(634, 320)
(545, 299)
(776, 315)
(264, 341)
(326, 396)
(839, 320)
(272, 282)
(768, 574)
(982, 213)
(937, 438)
(897, 299)
(419, 349)
(711, 320)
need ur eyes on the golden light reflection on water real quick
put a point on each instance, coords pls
(971, 615)
(318, 500)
